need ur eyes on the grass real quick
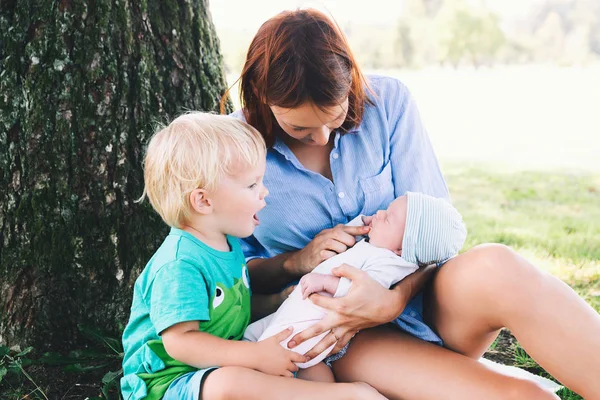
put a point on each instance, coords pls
(92, 373)
(551, 218)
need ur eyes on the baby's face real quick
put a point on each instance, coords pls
(387, 226)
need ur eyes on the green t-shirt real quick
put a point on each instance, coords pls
(185, 280)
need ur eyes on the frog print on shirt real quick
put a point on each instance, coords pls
(230, 309)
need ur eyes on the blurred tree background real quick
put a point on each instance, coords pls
(462, 33)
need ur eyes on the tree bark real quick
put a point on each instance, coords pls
(83, 85)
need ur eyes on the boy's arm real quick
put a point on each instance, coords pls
(178, 304)
(185, 343)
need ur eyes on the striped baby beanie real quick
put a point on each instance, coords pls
(434, 230)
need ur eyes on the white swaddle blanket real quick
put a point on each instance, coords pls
(382, 265)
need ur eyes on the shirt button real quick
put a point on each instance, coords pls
(413, 314)
(335, 156)
(341, 195)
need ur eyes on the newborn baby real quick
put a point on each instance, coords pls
(415, 230)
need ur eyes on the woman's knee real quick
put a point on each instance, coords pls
(218, 384)
(487, 268)
(485, 284)
(484, 257)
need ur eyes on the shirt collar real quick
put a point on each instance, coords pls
(282, 148)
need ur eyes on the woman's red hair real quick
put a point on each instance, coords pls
(296, 57)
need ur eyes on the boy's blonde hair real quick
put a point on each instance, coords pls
(194, 151)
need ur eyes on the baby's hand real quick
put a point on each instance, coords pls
(315, 283)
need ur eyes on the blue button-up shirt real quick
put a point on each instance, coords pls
(386, 156)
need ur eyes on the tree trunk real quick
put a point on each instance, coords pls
(82, 86)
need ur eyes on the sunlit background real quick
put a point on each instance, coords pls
(514, 83)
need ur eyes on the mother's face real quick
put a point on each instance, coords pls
(309, 124)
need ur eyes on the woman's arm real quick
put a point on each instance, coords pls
(268, 275)
(266, 304)
(366, 305)
(411, 285)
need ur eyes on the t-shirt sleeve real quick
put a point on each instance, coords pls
(179, 294)
(415, 166)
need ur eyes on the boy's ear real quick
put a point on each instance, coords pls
(200, 201)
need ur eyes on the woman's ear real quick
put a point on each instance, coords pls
(200, 201)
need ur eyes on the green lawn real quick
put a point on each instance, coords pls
(551, 218)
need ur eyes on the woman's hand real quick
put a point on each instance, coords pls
(367, 304)
(325, 245)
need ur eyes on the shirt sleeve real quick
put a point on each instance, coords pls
(253, 249)
(179, 294)
(415, 166)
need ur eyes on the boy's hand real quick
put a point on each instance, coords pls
(316, 283)
(273, 359)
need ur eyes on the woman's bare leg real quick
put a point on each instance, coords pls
(232, 383)
(403, 367)
(317, 373)
(490, 287)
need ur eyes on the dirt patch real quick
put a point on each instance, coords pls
(506, 350)
(503, 350)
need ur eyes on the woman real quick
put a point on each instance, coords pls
(342, 145)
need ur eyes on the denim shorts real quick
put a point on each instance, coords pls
(188, 386)
(334, 357)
